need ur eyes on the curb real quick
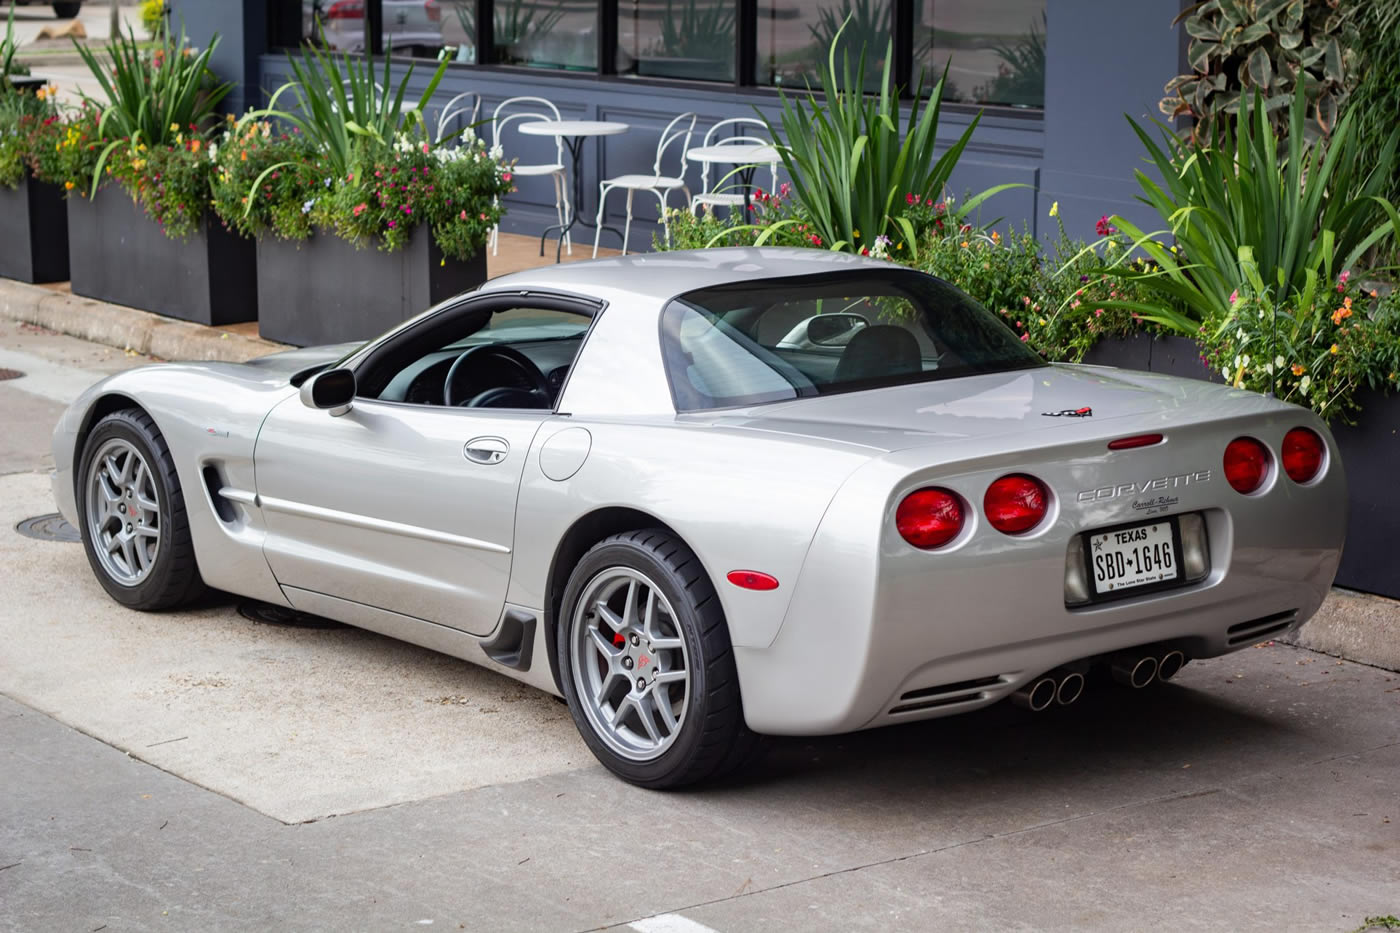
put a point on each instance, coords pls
(127, 328)
(1354, 626)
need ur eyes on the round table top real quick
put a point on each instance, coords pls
(572, 128)
(734, 153)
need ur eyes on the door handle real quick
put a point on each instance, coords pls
(486, 450)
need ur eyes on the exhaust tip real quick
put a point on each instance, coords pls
(1069, 689)
(1037, 695)
(1170, 665)
(1136, 671)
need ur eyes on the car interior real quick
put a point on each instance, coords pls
(517, 357)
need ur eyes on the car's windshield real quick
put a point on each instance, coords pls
(768, 341)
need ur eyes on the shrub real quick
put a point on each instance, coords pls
(263, 181)
(1316, 350)
(22, 116)
(853, 168)
(1271, 47)
(152, 96)
(1299, 217)
(170, 181)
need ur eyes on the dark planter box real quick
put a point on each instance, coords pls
(326, 290)
(1370, 454)
(1170, 356)
(118, 254)
(33, 232)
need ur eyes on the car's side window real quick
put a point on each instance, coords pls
(502, 357)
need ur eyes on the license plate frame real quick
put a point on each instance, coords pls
(1128, 592)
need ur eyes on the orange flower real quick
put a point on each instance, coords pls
(1297, 369)
(1341, 314)
(243, 156)
(69, 185)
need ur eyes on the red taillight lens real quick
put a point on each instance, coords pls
(1302, 454)
(929, 518)
(1246, 464)
(1016, 504)
(346, 9)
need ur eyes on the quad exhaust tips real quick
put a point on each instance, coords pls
(1060, 686)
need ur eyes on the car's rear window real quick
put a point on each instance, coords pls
(753, 342)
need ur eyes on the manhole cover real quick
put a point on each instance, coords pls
(52, 527)
(269, 614)
(10, 374)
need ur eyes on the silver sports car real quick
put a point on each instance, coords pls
(626, 483)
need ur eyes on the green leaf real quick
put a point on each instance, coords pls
(1261, 68)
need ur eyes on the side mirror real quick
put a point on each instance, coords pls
(332, 390)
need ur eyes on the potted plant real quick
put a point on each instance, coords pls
(33, 220)
(141, 233)
(362, 219)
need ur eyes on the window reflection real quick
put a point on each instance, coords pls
(994, 49)
(676, 39)
(794, 36)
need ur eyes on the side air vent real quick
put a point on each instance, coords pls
(1259, 628)
(964, 691)
(213, 482)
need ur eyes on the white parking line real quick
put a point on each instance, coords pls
(670, 923)
(46, 379)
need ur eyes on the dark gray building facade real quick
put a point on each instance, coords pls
(1053, 79)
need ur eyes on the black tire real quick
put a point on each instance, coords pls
(173, 578)
(712, 740)
(67, 10)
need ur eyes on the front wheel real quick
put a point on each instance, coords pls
(648, 670)
(135, 529)
(67, 10)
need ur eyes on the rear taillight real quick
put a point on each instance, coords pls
(929, 518)
(1015, 504)
(346, 9)
(1246, 464)
(434, 11)
(1302, 454)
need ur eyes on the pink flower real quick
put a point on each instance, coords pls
(1234, 296)
(392, 224)
(505, 176)
(1104, 228)
(359, 209)
(911, 198)
(463, 216)
(1025, 338)
(816, 240)
(1098, 312)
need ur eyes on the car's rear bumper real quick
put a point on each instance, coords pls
(876, 631)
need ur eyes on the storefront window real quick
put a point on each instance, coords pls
(678, 39)
(795, 35)
(994, 50)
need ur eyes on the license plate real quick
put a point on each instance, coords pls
(1135, 556)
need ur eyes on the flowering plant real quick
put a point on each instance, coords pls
(22, 115)
(775, 219)
(1318, 349)
(287, 173)
(283, 184)
(68, 153)
(455, 191)
(170, 180)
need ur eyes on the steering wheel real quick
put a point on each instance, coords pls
(538, 390)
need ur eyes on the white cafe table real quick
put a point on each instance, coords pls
(573, 133)
(746, 156)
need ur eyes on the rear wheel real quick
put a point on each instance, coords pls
(647, 666)
(134, 525)
(67, 10)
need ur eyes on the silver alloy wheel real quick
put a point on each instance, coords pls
(630, 667)
(123, 512)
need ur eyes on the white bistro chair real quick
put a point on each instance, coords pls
(730, 196)
(466, 104)
(678, 131)
(529, 110)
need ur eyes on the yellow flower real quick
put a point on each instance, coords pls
(1055, 209)
(1042, 322)
(174, 127)
(855, 234)
(1335, 350)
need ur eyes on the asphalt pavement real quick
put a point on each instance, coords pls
(201, 770)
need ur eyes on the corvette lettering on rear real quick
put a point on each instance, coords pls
(1175, 481)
